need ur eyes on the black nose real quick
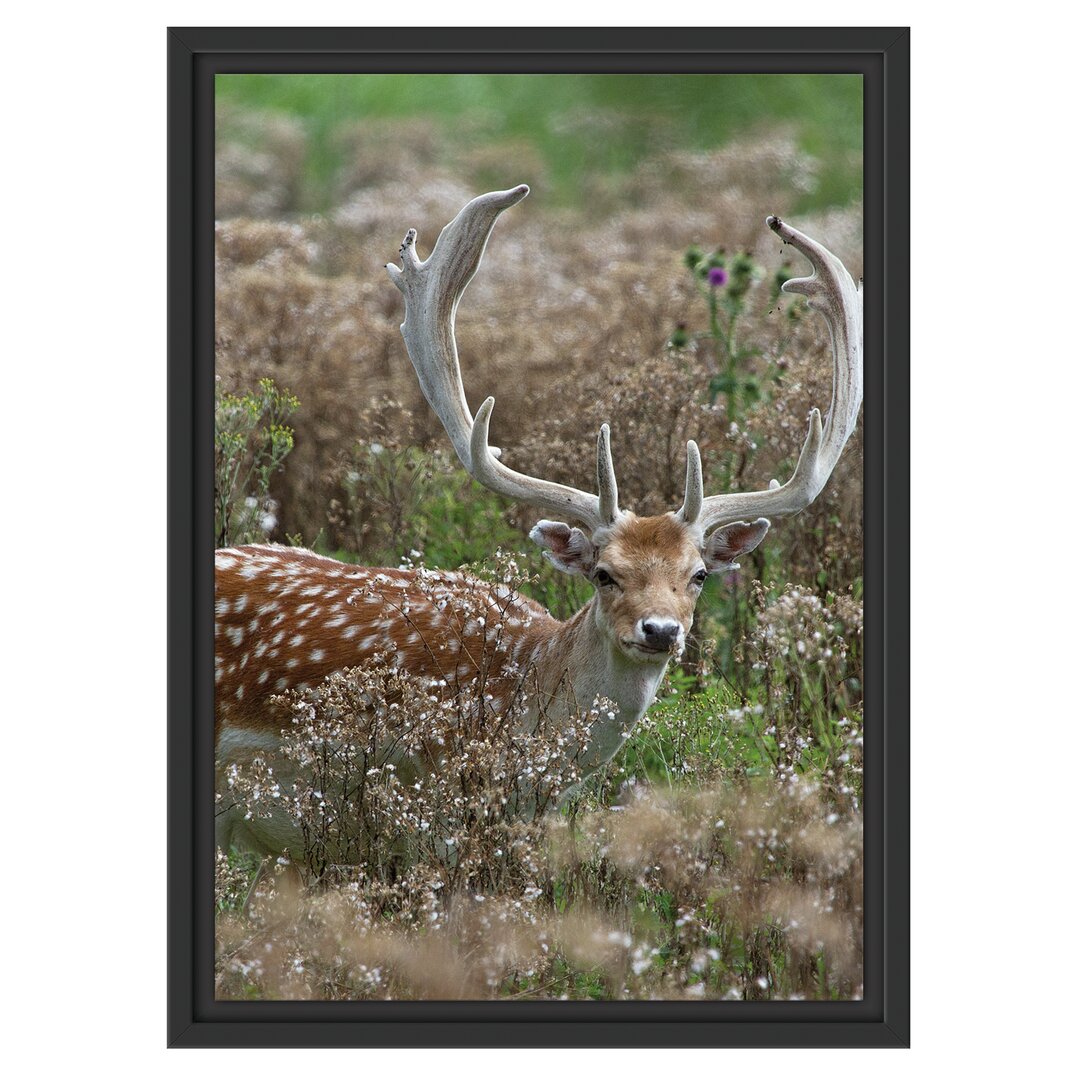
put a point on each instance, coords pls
(660, 633)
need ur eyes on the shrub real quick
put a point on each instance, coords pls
(719, 855)
(569, 311)
(251, 442)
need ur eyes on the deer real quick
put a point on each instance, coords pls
(286, 617)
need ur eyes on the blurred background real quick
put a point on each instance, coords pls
(637, 285)
(579, 136)
(589, 305)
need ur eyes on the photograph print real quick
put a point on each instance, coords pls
(538, 508)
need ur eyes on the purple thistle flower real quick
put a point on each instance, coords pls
(717, 276)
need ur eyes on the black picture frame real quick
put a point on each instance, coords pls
(195, 56)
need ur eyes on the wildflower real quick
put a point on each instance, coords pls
(716, 277)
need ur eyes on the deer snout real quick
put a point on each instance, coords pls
(659, 634)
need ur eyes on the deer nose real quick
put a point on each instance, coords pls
(660, 633)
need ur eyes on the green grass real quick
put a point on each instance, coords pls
(555, 114)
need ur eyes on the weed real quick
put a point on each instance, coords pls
(251, 442)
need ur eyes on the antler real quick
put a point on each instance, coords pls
(831, 291)
(432, 290)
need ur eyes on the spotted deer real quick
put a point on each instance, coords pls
(286, 618)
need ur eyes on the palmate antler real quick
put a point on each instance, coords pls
(432, 289)
(831, 291)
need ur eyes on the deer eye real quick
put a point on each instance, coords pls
(698, 579)
(603, 579)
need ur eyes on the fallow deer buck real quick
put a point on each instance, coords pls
(286, 618)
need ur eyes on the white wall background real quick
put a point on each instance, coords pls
(994, 605)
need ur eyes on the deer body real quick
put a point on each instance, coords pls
(287, 618)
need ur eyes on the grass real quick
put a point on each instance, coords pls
(579, 124)
(720, 854)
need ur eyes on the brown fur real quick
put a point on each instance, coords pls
(286, 618)
(649, 535)
(653, 559)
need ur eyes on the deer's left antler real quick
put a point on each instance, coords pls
(830, 290)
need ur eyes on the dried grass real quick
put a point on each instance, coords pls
(569, 313)
(721, 855)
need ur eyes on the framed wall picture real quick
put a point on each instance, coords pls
(538, 655)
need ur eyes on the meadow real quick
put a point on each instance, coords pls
(720, 855)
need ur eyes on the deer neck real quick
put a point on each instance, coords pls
(581, 662)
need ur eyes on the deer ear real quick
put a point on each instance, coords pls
(570, 550)
(727, 544)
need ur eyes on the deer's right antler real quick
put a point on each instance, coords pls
(432, 289)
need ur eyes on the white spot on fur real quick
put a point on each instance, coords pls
(317, 655)
(235, 634)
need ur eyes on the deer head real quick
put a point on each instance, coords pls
(648, 571)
